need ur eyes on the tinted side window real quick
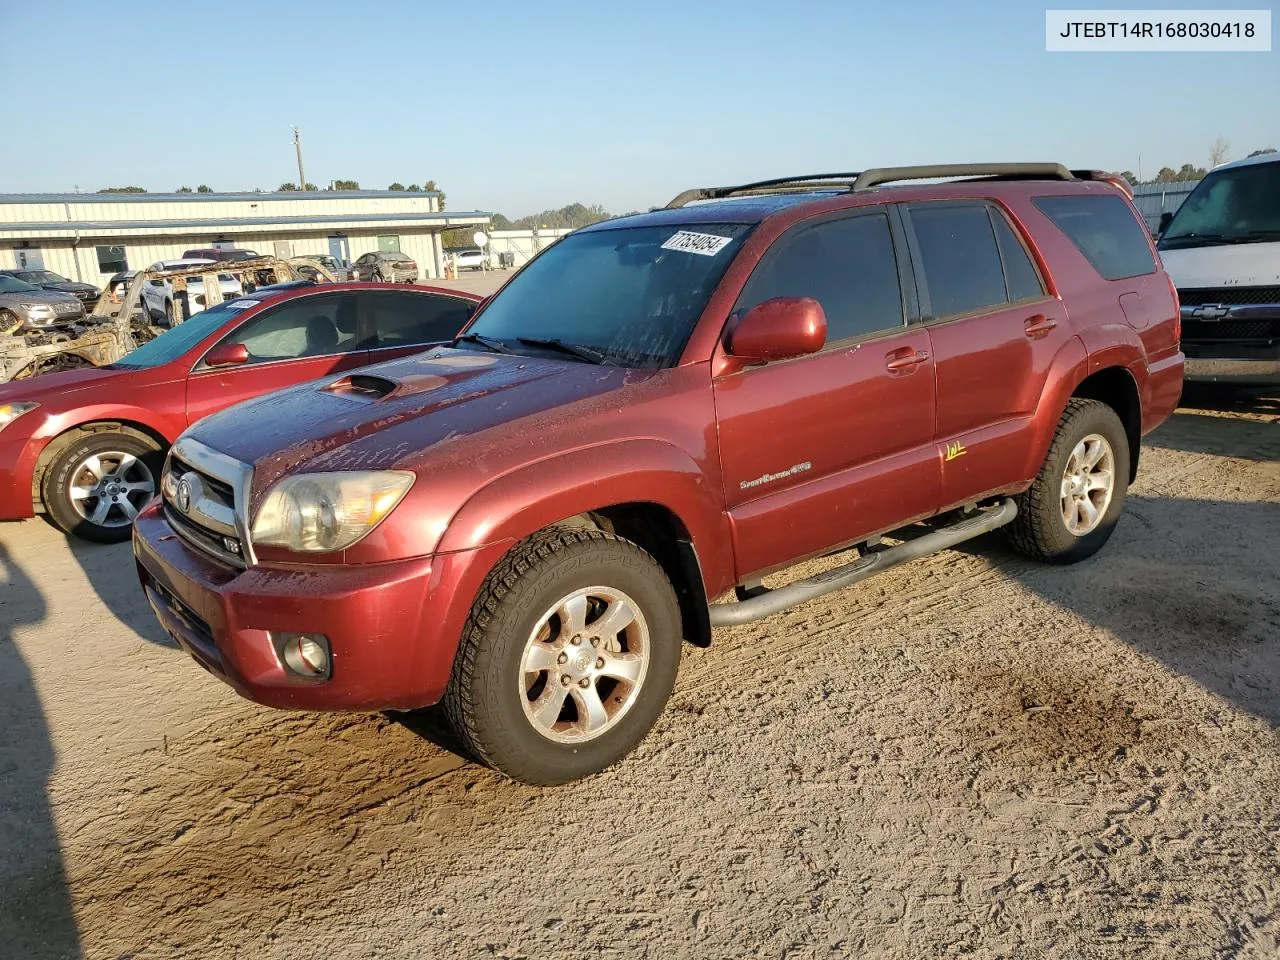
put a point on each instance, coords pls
(961, 263)
(1019, 271)
(306, 327)
(1105, 231)
(405, 319)
(846, 265)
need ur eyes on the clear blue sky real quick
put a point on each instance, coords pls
(520, 106)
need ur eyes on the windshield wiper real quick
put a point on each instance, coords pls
(1216, 237)
(489, 343)
(572, 349)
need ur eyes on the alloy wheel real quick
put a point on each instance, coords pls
(1088, 484)
(584, 664)
(109, 489)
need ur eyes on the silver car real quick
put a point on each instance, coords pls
(386, 266)
(26, 308)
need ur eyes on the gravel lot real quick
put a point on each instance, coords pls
(969, 755)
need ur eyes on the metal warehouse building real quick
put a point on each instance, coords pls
(89, 237)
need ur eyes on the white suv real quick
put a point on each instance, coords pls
(157, 294)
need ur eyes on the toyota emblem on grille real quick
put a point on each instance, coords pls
(183, 495)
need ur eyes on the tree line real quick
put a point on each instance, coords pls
(576, 215)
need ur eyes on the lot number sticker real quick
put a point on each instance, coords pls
(704, 244)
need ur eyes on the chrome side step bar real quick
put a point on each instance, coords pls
(793, 594)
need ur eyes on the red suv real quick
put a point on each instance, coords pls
(86, 446)
(655, 413)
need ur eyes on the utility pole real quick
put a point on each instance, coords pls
(297, 145)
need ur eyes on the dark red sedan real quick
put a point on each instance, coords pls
(85, 446)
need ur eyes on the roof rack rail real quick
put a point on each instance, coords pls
(802, 183)
(868, 179)
(1002, 171)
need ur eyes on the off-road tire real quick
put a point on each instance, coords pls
(483, 699)
(1039, 531)
(55, 490)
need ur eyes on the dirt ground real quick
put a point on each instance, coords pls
(972, 755)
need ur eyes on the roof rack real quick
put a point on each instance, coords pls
(800, 184)
(993, 171)
(868, 179)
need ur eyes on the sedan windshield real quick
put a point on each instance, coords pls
(14, 285)
(1237, 205)
(174, 342)
(41, 276)
(630, 295)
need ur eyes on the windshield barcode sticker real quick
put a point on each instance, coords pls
(704, 244)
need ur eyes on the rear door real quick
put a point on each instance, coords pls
(824, 450)
(994, 332)
(298, 340)
(404, 322)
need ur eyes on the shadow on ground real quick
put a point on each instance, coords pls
(36, 919)
(109, 568)
(1202, 606)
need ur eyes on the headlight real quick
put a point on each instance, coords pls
(10, 412)
(34, 308)
(323, 512)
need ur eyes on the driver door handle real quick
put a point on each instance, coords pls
(907, 358)
(1038, 325)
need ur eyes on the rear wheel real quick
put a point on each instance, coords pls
(568, 657)
(96, 486)
(1075, 502)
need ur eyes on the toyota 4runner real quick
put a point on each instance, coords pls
(654, 414)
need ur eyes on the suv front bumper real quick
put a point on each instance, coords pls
(392, 647)
(1241, 372)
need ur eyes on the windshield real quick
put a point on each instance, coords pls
(14, 285)
(1239, 205)
(175, 342)
(41, 276)
(632, 294)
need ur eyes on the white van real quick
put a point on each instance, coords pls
(1222, 249)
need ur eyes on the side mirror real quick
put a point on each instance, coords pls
(1166, 218)
(778, 329)
(227, 355)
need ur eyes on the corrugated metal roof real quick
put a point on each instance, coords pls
(91, 225)
(207, 197)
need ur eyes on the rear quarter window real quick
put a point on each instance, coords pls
(1105, 230)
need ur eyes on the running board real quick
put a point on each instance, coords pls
(793, 594)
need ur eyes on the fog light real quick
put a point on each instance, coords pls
(305, 654)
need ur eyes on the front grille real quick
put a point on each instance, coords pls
(66, 307)
(218, 544)
(1210, 330)
(218, 489)
(1231, 296)
(215, 496)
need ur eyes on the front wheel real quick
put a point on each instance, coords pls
(96, 486)
(1073, 506)
(567, 659)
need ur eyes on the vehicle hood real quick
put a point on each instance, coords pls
(56, 387)
(37, 296)
(445, 397)
(1230, 265)
(70, 286)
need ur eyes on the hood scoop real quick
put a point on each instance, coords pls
(362, 386)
